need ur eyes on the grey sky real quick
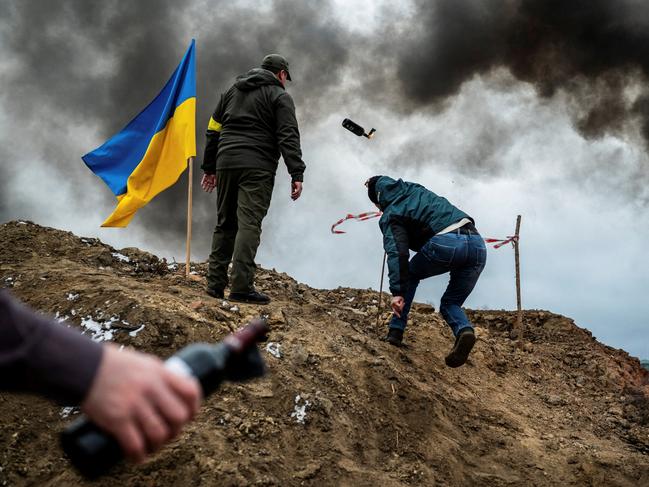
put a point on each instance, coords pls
(489, 138)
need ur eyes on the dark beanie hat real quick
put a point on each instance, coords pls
(371, 189)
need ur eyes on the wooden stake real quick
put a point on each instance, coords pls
(378, 312)
(518, 333)
(190, 163)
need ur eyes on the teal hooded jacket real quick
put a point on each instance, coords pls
(412, 215)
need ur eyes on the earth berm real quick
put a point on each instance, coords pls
(339, 406)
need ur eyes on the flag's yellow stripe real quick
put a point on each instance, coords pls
(163, 163)
(214, 125)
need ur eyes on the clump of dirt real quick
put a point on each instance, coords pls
(339, 406)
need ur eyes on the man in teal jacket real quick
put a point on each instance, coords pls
(445, 240)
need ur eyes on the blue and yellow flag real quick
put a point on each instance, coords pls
(151, 152)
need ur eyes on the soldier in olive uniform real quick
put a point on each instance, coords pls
(253, 124)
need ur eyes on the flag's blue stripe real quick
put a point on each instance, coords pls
(116, 159)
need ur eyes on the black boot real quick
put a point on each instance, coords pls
(215, 293)
(253, 297)
(395, 336)
(463, 344)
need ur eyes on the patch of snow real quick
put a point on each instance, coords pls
(73, 312)
(22, 223)
(67, 411)
(99, 333)
(299, 411)
(59, 318)
(275, 349)
(193, 273)
(350, 299)
(121, 257)
(135, 332)
(72, 296)
(172, 267)
(234, 309)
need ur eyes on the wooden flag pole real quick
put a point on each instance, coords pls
(518, 334)
(190, 163)
(378, 313)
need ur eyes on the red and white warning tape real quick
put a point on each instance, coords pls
(510, 238)
(360, 217)
(373, 214)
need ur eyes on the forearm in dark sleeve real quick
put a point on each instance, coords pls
(212, 135)
(41, 356)
(209, 157)
(395, 242)
(288, 138)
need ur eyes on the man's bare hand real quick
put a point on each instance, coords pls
(208, 183)
(397, 305)
(296, 189)
(141, 403)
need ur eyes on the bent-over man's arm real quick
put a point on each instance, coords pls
(396, 245)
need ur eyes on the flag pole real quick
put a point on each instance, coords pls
(190, 163)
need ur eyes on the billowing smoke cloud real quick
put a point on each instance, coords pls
(96, 64)
(75, 70)
(594, 50)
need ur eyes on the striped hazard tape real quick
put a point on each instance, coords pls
(500, 242)
(360, 217)
(368, 215)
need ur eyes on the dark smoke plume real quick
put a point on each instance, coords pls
(99, 63)
(597, 51)
(75, 63)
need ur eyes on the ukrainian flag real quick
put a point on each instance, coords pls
(151, 152)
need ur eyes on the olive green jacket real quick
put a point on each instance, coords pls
(253, 123)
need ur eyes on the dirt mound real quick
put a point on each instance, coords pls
(339, 406)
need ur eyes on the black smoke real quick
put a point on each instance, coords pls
(596, 51)
(76, 63)
(100, 63)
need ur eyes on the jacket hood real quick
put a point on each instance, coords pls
(256, 78)
(389, 191)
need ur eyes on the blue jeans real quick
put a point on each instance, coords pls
(464, 256)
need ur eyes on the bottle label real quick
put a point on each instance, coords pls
(178, 366)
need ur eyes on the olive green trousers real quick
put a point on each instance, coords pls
(242, 200)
